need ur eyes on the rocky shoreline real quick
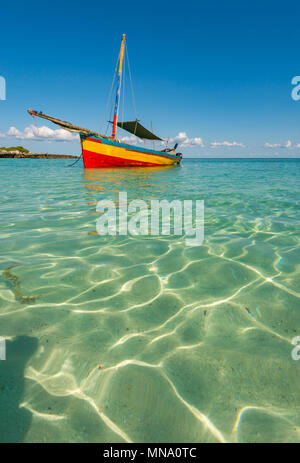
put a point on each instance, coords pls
(37, 156)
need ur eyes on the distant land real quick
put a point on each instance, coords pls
(20, 152)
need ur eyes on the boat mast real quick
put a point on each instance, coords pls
(118, 87)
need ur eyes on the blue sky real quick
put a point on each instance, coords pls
(213, 71)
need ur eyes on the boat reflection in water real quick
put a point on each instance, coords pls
(137, 182)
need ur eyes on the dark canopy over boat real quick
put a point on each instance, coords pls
(137, 129)
(133, 127)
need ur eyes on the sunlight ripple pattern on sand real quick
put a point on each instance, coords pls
(134, 339)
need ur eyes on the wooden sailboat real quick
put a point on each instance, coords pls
(107, 151)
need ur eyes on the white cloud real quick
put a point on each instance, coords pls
(2, 135)
(41, 133)
(184, 141)
(288, 144)
(270, 145)
(132, 140)
(215, 144)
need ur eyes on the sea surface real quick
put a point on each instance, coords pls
(144, 338)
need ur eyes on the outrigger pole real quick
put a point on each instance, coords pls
(118, 87)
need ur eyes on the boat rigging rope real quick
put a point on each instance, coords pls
(73, 163)
(36, 127)
(130, 78)
(110, 94)
(123, 93)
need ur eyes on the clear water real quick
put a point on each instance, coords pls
(144, 339)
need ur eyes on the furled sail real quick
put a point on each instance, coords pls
(65, 125)
(137, 129)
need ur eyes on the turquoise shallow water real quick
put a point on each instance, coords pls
(145, 339)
